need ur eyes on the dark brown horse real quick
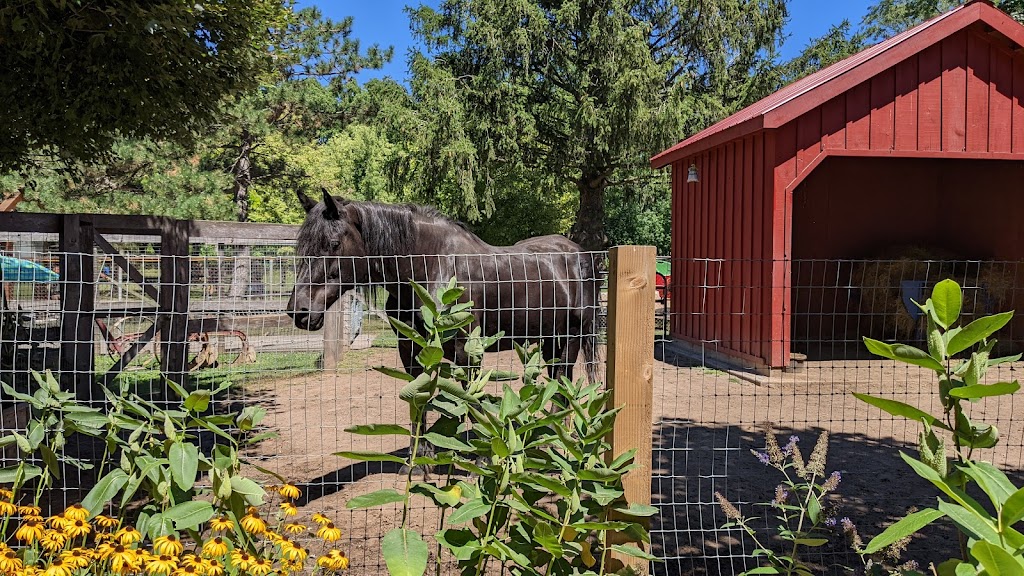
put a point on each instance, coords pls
(541, 291)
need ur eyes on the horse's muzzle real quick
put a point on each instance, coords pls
(306, 320)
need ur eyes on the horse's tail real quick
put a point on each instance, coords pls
(589, 303)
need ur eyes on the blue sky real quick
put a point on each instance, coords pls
(384, 22)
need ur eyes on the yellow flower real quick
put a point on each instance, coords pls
(57, 521)
(188, 571)
(289, 491)
(9, 562)
(241, 560)
(76, 512)
(33, 518)
(222, 524)
(77, 528)
(124, 560)
(169, 545)
(29, 531)
(261, 567)
(76, 558)
(191, 560)
(30, 510)
(128, 535)
(215, 547)
(212, 567)
(8, 508)
(321, 519)
(293, 552)
(252, 523)
(289, 509)
(52, 540)
(294, 528)
(5, 493)
(57, 568)
(164, 564)
(105, 521)
(329, 533)
(102, 537)
(273, 536)
(334, 560)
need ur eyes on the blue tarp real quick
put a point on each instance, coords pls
(18, 270)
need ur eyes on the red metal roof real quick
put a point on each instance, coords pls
(805, 94)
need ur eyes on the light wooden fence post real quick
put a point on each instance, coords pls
(631, 371)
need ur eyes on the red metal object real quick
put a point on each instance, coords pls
(951, 88)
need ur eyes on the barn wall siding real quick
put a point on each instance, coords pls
(961, 97)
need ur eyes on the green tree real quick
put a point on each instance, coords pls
(580, 90)
(836, 44)
(79, 75)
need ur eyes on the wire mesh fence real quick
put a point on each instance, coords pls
(716, 388)
(242, 333)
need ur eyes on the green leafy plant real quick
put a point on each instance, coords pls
(805, 517)
(542, 496)
(989, 542)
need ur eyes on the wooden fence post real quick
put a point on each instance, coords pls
(77, 300)
(631, 372)
(174, 293)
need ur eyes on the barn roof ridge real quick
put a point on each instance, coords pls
(804, 94)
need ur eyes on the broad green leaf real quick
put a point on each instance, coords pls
(429, 356)
(897, 408)
(992, 481)
(599, 475)
(424, 297)
(184, 459)
(405, 552)
(407, 331)
(248, 489)
(371, 456)
(378, 498)
(985, 390)
(50, 460)
(612, 525)
(379, 430)
(198, 401)
(906, 526)
(449, 496)
(447, 442)
(977, 331)
(926, 472)
(461, 542)
(946, 300)
(104, 491)
(975, 525)
(543, 482)
(468, 510)
(903, 353)
(499, 447)
(811, 542)
(996, 560)
(632, 550)
(1013, 510)
(762, 570)
(189, 515)
(399, 374)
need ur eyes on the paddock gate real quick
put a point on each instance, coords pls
(110, 305)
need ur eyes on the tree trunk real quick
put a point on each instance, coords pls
(240, 277)
(588, 231)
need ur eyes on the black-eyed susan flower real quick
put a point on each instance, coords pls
(33, 518)
(124, 560)
(188, 571)
(215, 547)
(29, 531)
(191, 560)
(295, 528)
(163, 564)
(293, 552)
(127, 535)
(321, 519)
(53, 540)
(289, 509)
(273, 536)
(329, 532)
(30, 510)
(213, 567)
(252, 523)
(260, 567)
(222, 524)
(333, 561)
(57, 521)
(77, 528)
(241, 560)
(105, 522)
(7, 494)
(168, 544)
(7, 508)
(9, 562)
(289, 491)
(57, 568)
(76, 558)
(76, 512)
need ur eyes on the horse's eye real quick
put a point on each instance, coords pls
(335, 244)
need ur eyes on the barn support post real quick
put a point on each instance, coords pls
(174, 295)
(631, 372)
(77, 299)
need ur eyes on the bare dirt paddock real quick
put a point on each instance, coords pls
(706, 423)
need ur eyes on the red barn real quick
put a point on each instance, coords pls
(918, 138)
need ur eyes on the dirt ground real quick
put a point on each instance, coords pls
(705, 424)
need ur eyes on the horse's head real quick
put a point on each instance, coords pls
(329, 242)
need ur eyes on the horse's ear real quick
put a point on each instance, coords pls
(330, 207)
(306, 201)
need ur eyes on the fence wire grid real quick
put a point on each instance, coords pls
(711, 396)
